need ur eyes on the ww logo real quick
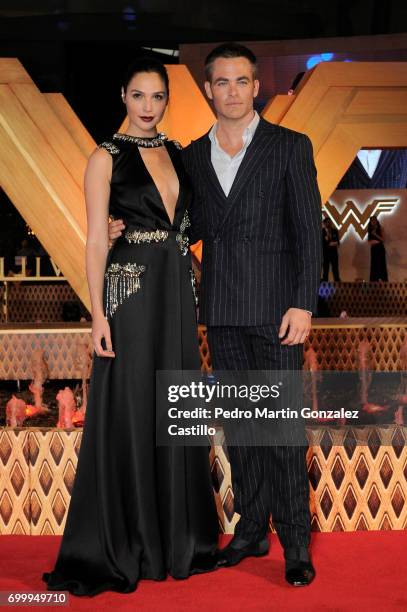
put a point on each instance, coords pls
(359, 220)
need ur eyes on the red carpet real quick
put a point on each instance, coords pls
(359, 571)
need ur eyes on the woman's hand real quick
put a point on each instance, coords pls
(101, 329)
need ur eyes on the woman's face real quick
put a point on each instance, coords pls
(373, 221)
(145, 99)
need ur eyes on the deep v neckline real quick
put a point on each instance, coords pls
(171, 223)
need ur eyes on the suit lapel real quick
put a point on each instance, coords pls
(361, 171)
(260, 147)
(385, 160)
(254, 156)
(210, 176)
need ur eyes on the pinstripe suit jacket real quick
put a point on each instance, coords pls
(262, 243)
(391, 172)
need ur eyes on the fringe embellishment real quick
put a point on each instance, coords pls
(122, 281)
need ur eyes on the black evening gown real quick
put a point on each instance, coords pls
(139, 510)
(378, 265)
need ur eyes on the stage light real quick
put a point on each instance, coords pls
(129, 16)
(313, 61)
(129, 13)
(317, 59)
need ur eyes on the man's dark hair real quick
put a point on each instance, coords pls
(229, 50)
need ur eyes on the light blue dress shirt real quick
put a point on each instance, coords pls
(225, 166)
(369, 158)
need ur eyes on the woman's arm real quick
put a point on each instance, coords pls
(97, 193)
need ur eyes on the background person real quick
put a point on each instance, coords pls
(375, 236)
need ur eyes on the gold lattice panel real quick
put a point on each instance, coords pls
(222, 485)
(353, 486)
(206, 364)
(359, 486)
(33, 302)
(53, 460)
(365, 299)
(59, 350)
(38, 470)
(2, 313)
(15, 485)
(337, 348)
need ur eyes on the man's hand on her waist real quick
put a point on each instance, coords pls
(116, 228)
(296, 323)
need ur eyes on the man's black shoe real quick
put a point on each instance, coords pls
(299, 570)
(239, 548)
(302, 573)
(204, 563)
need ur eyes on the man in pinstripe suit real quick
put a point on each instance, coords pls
(258, 212)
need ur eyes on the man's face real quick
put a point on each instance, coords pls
(232, 87)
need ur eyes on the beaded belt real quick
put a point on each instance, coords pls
(142, 237)
(138, 236)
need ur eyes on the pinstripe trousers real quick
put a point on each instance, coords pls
(266, 479)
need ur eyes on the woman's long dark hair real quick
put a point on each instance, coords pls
(377, 229)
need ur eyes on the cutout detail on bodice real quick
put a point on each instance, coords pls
(173, 209)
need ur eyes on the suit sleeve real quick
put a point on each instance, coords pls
(304, 215)
(195, 208)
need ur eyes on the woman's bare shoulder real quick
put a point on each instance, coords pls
(100, 158)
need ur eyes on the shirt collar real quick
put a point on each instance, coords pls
(247, 134)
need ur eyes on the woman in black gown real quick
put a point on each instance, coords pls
(375, 236)
(137, 510)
